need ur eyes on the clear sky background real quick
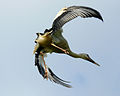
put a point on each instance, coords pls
(21, 19)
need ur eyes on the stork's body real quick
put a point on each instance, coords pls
(52, 40)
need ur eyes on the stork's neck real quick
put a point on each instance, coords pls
(75, 55)
(82, 56)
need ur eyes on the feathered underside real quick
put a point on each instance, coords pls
(67, 14)
(51, 75)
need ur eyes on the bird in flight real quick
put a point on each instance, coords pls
(52, 40)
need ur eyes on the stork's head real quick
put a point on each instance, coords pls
(87, 57)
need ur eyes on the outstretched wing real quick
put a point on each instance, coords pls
(51, 75)
(67, 14)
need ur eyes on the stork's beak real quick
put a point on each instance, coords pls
(87, 57)
(91, 60)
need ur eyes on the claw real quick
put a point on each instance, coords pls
(66, 52)
(46, 74)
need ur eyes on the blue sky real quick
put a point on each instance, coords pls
(20, 20)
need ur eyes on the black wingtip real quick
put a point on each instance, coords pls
(100, 17)
(58, 80)
(56, 76)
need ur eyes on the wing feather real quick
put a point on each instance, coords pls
(51, 75)
(67, 14)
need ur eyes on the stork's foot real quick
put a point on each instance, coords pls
(65, 51)
(46, 75)
(41, 53)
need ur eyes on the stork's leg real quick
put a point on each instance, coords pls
(46, 72)
(65, 51)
